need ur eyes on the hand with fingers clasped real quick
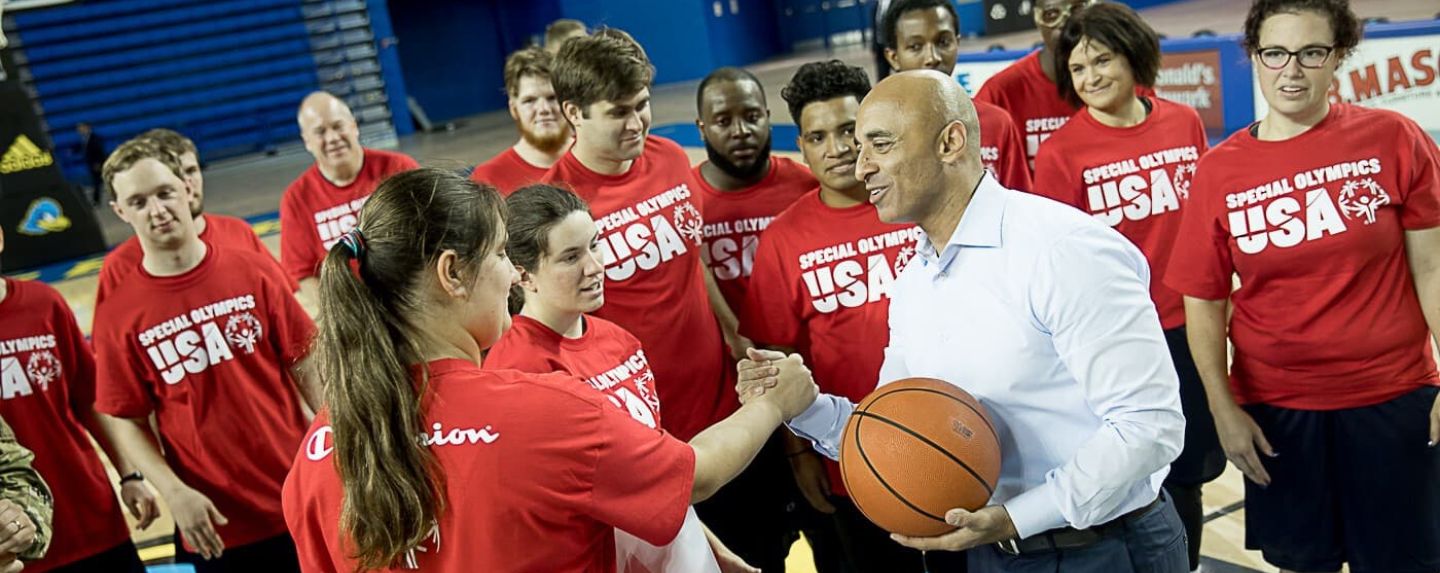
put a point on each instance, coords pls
(11, 563)
(987, 525)
(773, 376)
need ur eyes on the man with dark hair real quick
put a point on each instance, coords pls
(834, 312)
(1026, 89)
(561, 30)
(744, 188)
(544, 135)
(216, 230)
(642, 195)
(925, 34)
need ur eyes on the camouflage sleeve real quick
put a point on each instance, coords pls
(20, 484)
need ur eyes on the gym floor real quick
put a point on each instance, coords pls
(252, 186)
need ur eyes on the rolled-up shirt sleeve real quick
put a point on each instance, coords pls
(1091, 293)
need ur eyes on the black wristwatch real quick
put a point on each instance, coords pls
(132, 476)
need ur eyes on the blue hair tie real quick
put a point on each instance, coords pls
(354, 242)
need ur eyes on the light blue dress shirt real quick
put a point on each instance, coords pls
(1044, 315)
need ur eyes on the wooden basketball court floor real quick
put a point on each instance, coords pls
(252, 186)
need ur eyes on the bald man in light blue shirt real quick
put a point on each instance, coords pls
(1045, 316)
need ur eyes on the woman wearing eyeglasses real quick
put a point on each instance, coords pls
(1127, 160)
(1027, 87)
(1330, 215)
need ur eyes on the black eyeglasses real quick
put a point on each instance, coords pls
(1311, 57)
(1055, 16)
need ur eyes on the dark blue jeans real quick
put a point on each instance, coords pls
(1154, 543)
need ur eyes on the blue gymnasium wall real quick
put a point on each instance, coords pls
(453, 51)
(228, 73)
(686, 39)
(452, 56)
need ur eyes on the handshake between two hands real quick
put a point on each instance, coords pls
(774, 377)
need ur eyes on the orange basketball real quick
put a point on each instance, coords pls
(915, 449)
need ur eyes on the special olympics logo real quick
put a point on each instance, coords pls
(244, 331)
(902, 259)
(1363, 198)
(1183, 175)
(43, 368)
(319, 446)
(689, 223)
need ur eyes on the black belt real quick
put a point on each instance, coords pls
(1071, 538)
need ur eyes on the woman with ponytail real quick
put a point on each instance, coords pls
(420, 460)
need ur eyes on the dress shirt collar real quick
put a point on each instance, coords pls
(979, 225)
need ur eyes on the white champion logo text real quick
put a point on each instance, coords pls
(641, 237)
(1285, 221)
(458, 436)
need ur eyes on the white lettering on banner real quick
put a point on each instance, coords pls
(193, 341)
(837, 276)
(336, 221)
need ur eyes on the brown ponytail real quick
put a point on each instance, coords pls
(370, 285)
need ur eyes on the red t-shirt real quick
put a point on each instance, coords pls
(539, 471)
(220, 230)
(1002, 149)
(1033, 100)
(822, 286)
(314, 212)
(650, 233)
(507, 172)
(209, 352)
(605, 356)
(1135, 179)
(1326, 316)
(48, 375)
(734, 220)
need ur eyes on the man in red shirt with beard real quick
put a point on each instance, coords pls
(544, 134)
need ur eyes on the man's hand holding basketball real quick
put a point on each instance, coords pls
(990, 524)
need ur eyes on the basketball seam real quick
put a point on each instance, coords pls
(981, 415)
(860, 448)
(927, 442)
